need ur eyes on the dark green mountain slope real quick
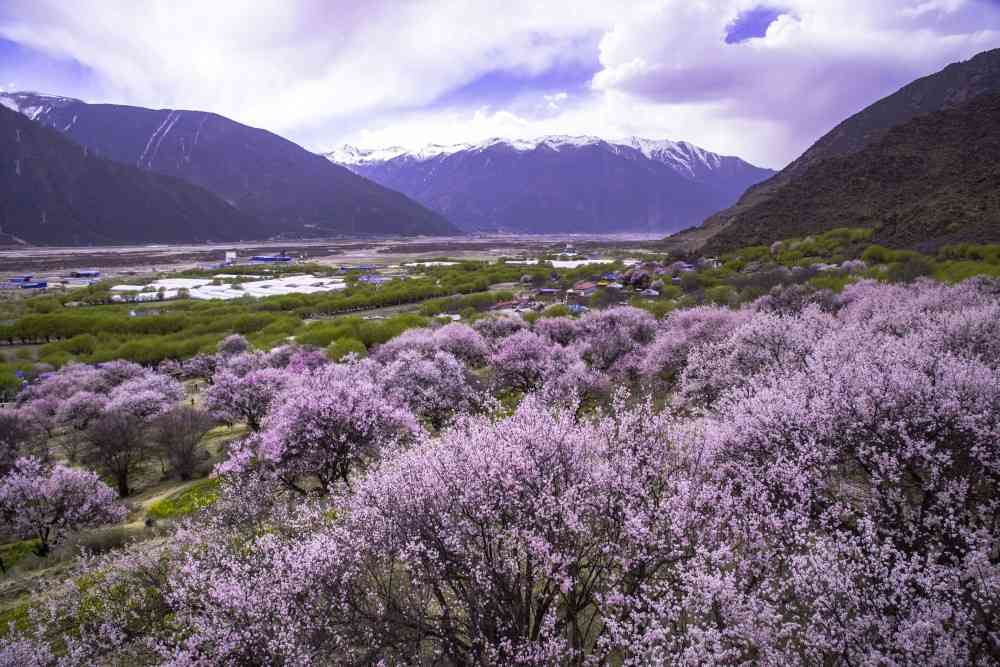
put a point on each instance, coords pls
(955, 85)
(931, 181)
(292, 191)
(56, 192)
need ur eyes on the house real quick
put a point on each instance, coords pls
(271, 259)
(549, 294)
(577, 309)
(680, 267)
(26, 278)
(585, 288)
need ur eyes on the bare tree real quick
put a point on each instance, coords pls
(177, 435)
(117, 445)
(19, 436)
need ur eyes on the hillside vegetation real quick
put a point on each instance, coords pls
(911, 176)
(792, 461)
(53, 191)
(932, 181)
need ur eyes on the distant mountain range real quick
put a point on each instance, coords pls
(561, 183)
(919, 167)
(56, 192)
(292, 191)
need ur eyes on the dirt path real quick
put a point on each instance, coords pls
(143, 504)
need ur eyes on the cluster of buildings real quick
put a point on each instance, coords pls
(645, 279)
(76, 278)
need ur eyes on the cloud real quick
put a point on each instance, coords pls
(816, 63)
(288, 64)
(322, 71)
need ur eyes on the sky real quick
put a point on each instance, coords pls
(762, 80)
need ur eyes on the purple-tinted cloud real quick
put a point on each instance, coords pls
(798, 69)
(758, 78)
(502, 87)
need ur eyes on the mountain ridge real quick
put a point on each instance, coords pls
(56, 192)
(954, 85)
(292, 191)
(918, 186)
(675, 182)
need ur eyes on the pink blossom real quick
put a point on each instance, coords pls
(433, 387)
(48, 504)
(246, 398)
(329, 423)
(232, 345)
(495, 328)
(562, 330)
(462, 341)
(666, 357)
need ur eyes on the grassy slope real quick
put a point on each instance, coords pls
(929, 182)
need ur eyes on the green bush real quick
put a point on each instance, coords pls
(15, 618)
(912, 267)
(556, 310)
(831, 281)
(341, 348)
(955, 272)
(11, 553)
(82, 344)
(196, 497)
(876, 254)
(670, 291)
(721, 295)
(989, 254)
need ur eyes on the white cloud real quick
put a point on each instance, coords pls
(376, 71)
(285, 64)
(553, 102)
(610, 115)
(819, 62)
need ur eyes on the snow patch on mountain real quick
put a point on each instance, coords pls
(34, 105)
(687, 159)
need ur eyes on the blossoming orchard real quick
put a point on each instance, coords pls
(796, 481)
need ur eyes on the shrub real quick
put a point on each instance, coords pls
(345, 346)
(194, 498)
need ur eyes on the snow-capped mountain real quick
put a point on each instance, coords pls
(352, 155)
(686, 158)
(590, 184)
(34, 105)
